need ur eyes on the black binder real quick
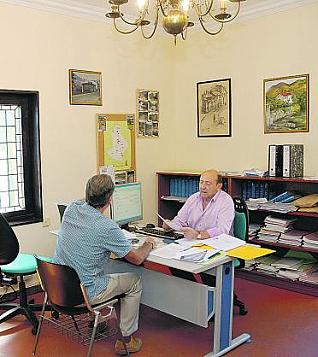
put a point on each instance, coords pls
(275, 160)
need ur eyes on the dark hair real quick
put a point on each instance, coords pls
(99, 190)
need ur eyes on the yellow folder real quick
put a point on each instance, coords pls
(248, 252)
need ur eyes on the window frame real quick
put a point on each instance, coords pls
(29, 101)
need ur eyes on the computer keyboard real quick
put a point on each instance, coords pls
(159, 232)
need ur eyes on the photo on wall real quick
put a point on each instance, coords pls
(286, 104)
(214, 108)
(85, 87)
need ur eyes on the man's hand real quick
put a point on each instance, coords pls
(166, 227)
(189, 232)
(151, 241)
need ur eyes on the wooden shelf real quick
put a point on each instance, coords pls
(278, 244)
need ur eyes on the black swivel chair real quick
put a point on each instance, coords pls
(241, 223)
(13, 267)
(67, 296)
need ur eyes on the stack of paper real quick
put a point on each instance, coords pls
(264, 265)
(253, 230)
(311, 275)
(311, 240)
(296, 274)
(293, 237)
(288, 263)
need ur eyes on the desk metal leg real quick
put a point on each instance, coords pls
(223, 342)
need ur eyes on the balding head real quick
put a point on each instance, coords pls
(210, 184)
(213, 174)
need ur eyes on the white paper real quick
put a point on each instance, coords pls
(223, 242)
(168, 251)
(191, 254)
(169, 223)
(129, 235)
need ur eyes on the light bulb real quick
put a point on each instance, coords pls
(141, 4)
(185, 4)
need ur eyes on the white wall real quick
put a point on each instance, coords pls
(267, 47)
(36, 52)
(38, 48)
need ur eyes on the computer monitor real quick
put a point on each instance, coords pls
(126, 206)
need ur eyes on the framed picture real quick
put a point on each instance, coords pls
(85, 87)
(116, 143)
(148, 113)
(286, 104)
(214, 108)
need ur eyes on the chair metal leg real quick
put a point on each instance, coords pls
(40, 325)
(96, 320)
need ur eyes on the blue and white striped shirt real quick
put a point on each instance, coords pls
(85, 241)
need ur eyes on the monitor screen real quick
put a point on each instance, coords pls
(126, 206)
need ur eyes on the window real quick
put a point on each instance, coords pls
(20, 166)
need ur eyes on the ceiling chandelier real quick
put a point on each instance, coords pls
(176, 16)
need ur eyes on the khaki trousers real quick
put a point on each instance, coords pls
(130, 285)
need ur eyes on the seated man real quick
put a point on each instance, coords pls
(86, 240)
(207, 213)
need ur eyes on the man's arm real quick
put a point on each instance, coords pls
(139, 255)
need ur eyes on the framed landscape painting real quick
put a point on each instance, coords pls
(214, 108)
(286, 104)
(85, 87)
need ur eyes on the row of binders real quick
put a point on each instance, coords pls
(186, 186)
(286, 160)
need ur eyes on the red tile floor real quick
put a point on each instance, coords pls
(282, 324)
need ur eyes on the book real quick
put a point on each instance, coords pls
(293, 160)
(275, 160)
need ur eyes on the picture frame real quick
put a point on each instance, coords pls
(85, 87)
(147, 113)
(116, 146)
(214, 108)
(286, 104)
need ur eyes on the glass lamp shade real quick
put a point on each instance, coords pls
(175, 22)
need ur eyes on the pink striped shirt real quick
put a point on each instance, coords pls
(217, 218)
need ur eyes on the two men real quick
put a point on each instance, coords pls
(85, 242)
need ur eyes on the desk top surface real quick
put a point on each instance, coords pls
(173, 263)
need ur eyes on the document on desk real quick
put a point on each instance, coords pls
(168, 251)
(192, 254)
(223, 242)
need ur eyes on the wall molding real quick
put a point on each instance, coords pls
(76, 9)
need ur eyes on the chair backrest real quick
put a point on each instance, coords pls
(61, 207)
(9, 244)
(241, 220)
(61, 283)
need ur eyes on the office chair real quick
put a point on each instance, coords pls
(241, 223)
(13, 267)
(61, 207)
(67, 296)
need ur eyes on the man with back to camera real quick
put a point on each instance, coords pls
(207, 213)
(86, 240)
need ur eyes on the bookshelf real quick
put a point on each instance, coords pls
(171, 198)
